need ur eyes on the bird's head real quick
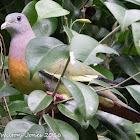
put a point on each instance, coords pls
(16, 23)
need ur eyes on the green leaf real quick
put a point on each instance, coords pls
(49, 8)
(134, 1)
(17, 107)
(45, 27)
(89, 134)
(84, 96)
(94, 122)
(85, 48)
(17, 97)
(104, 71)
(32, 118)
(114, 1)
(129, 47)
(1, 83)
(62, 130)
(68, 32)
(5, 63)
(7, 90)
(30, 12)
(40, 53)
(23, 130)
(67, 4)
(95, 31)
(103, 84)
(82, 20)
(1, 111)
(123, 16)
(134, 90)
(26, 110)
(70, 109)
(80, 3)
(130, 65)
(136, 35)
(137, 138)
(39, 100)
(122, 128)
(137, 127)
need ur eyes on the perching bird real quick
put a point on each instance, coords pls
(21, 33)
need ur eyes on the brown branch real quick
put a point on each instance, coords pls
(84, 18)
(63, 101)
(59, 81)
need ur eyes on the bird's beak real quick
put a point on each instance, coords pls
(5, 25)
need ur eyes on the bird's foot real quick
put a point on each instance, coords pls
(57, 96)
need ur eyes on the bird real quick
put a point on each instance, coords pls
(21, 33)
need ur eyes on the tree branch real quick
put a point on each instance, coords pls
(117, 86)
(111, 33)
(59, 81)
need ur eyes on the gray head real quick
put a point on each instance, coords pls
(16, 23)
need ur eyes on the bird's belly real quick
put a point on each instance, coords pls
(20, 77)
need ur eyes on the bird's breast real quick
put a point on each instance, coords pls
(20, 76)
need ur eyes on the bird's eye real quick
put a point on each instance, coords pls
(19, 18)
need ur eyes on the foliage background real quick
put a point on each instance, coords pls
(104, 19)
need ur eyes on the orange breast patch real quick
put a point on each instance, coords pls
(20, 77)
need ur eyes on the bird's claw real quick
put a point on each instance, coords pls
(57, 96)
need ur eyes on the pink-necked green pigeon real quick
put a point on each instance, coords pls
(21, 33)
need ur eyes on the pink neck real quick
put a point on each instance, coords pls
(18, 45)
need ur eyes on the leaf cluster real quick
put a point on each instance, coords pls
(103, 34)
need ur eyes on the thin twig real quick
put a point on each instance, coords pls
(117, 86)
(83, 18)
(82, 27)
(111, 43)
(2, 62)
(128, 79)
(3, 58)
(3, 45)
(106, 63)
(7, 109)
(84, 4)
(66, 21)
(67, 25)
(59, 81)
(63, 101)
(2, 126)
(41, 118)
(111, 33)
